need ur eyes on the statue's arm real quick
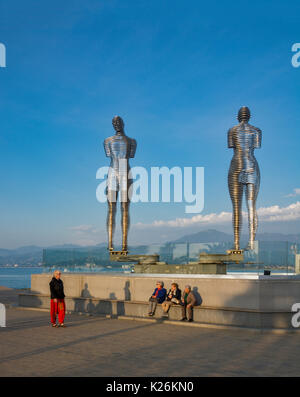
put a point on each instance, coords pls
(107, 148)
(133, 145)
(230, 138)
(258, 136)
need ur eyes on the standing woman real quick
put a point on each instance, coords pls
(244, 174)
(57, 306)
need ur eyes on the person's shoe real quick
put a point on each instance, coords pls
(62, 325)
(190, 320)
(150, 314)
(54, 325)
(183, 319)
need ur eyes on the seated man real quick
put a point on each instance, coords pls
(173, 297)
(158, 296)
(188, 301)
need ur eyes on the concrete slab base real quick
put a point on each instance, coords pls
(189, 268)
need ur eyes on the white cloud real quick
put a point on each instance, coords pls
(85, 235)
(296, 192)
(275, 213)
(83, 228)
(222, 217)
(266, 214)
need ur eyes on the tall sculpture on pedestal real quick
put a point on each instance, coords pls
(244, 174)
(120, 148)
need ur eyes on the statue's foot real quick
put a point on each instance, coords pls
(250, 246)
(234, 251)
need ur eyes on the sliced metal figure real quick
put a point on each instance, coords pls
(120, 148)
(244, 174)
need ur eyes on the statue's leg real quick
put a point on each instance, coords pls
(111, 217)
(125, 224)
(252, 217)
(255, 220)
(125, 221)
(256, 190)
(236, 194)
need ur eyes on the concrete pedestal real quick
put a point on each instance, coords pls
(189, 268)
(207, 263)
(262, 302)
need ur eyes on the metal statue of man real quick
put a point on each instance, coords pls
(120, 148)
(244, 174)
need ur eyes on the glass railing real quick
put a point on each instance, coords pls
(276, 257)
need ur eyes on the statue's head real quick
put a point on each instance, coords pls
(118, 124)
(244, 114)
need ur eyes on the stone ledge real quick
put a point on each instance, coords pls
(175, 307)
(238, 317)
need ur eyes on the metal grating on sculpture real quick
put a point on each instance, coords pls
(120, 148)
(244, 174)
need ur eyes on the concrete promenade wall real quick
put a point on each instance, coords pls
(255, 302)
(264, 294)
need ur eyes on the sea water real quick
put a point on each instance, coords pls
(20, 277)
(17, 277)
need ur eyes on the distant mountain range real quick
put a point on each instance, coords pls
(32, 255)
(206, 236)
(212, 235)
(28, 255)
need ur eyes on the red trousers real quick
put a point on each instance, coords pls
(57, 308)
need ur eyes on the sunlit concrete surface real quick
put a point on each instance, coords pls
(99, 346)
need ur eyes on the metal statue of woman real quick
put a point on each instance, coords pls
(120, 148)
(244, 174)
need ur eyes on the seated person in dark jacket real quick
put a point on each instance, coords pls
(158, 296)
(188, 301)
(173, 297)
(57, 304)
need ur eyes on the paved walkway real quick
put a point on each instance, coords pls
(97, 346)
(9, 296)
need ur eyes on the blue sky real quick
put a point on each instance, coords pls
(177, 72)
